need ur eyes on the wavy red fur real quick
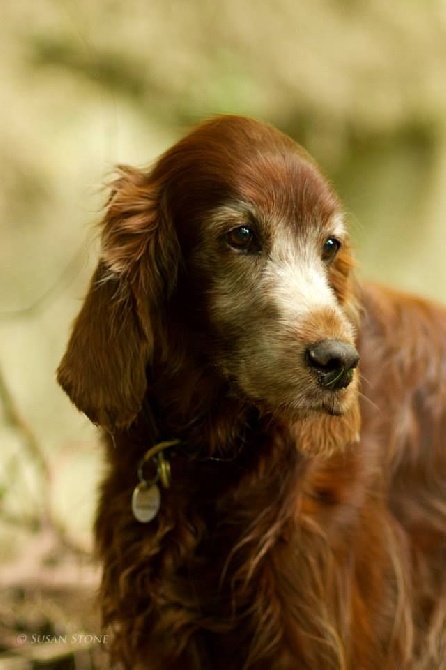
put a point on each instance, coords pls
(305, 526)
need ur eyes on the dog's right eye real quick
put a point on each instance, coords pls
(242, 238)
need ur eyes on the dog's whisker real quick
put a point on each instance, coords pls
(369, 401)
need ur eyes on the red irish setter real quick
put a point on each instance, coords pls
(269, 503)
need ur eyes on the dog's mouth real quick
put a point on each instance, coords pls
(334, 407)
(316, 402)
(334, 395)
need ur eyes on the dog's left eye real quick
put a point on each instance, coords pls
(330, 249)
(242, 238)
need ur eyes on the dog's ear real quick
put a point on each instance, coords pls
(104, 368)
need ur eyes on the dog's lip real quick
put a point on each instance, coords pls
(338, 402)
(333, 402)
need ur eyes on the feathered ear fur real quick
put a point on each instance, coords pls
(104, 368)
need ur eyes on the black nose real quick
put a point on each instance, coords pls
(334, 362)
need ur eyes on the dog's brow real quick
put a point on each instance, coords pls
(236, 213)
(338, 225)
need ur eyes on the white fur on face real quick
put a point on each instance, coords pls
(297, 277)
(297, 282)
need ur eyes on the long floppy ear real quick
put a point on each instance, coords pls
(104, 368)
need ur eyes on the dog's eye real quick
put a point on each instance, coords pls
(242, 238)
(330, 249)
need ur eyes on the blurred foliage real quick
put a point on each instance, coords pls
(370, 65)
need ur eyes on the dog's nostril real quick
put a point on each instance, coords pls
(334, 361)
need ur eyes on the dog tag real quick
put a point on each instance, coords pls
(145, 502)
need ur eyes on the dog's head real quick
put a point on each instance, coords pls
(236, 239)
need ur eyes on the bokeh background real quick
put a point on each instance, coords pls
(86, 84)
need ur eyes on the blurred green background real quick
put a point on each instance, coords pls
(86, 84)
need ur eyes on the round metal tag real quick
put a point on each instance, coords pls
(145, 502)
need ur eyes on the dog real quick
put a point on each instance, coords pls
(275, 494)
